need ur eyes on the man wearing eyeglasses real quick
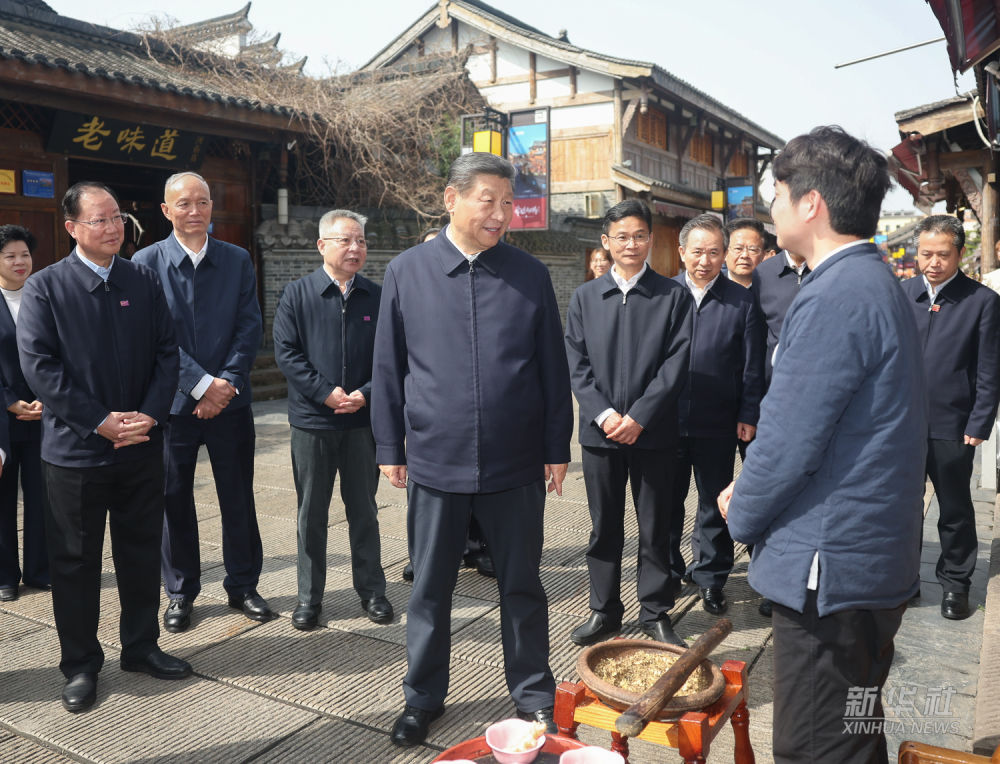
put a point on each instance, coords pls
(719, 406)
(97, 347)
(744, 251)
(212, 291)
(324, 336)
(627, 340)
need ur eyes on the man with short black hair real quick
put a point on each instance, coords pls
(211, 287)
(744, 250)
(829, 496)
(324, 333)
(627, 338)
(97, 346)
(958, 320)
(472, 413)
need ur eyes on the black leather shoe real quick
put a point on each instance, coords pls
(408, 572)
(41, 587)
(662, 631)
(8, 593)
(411, 727)
(485, 567)
(676, 587)
(177, 616)
(159, 665)
(542, 716)
(306, 616)
(764, 608)
(713, 600)
(594, 629)
(80, 692)
(379, 609)
(955, 606)
(253, 606)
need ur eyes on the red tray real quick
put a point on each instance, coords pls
(477, 750)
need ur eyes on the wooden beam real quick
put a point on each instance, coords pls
(727, 156)
(572, 81)
(941, 119)
(687, 133)
(989, 221)
(963, 160)
(629, 113)
(454, 36)
(493, 59)
(520, 79)
(532, 78)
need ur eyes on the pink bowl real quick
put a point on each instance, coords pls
(503, 736)
(591, 755)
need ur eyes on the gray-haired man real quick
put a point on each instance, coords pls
(324, 332)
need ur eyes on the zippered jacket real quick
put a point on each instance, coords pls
(629, 352)
(89, 347)
(322, 341)
(470, 387)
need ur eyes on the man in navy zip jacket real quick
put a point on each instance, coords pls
(627, 339)
(324, 333)
(97, 347)
(958, 321)
(720, 403)
(212, 291)
(829, 496)
(472, 412)
(776, 284)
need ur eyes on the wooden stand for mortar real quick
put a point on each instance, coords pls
(691, 735)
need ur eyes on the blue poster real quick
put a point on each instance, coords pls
(41, 185)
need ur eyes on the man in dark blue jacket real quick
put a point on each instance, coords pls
(97, 347)
(627, 339)
(776, 284)
(324, 333)
(958, 320)
(212, 291)
(829, 496)
(720, 403)
(472, 412)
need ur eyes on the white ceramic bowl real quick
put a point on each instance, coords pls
(503, 736)
(591, 755)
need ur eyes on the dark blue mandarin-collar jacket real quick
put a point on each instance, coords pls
(629, 352)
(776, 285)
(838, 464)
(470, 387)
(216, 315)
(322, 341)
(14, 386)
(90, 347)
(960, 338)
(725, 378)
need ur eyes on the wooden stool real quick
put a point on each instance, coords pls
(691, 735)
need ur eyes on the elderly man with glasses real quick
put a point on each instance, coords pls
(97, 347)
(324, 335)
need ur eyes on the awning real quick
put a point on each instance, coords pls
(972, 28)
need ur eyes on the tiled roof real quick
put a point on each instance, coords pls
(32, 33)
(917, 111)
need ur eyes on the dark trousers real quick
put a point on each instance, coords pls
(605, 473)
(511, 521)
(81, 499)
(713, 460)
(949, 466)
(24, 461)
(229, 438)
(317, 456)
(828, 677)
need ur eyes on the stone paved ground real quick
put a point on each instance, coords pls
(268, 693)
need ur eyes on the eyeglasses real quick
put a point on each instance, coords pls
(749, 250)
(345, 241)
(622, 239)
(101, 222)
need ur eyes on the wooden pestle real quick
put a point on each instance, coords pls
(635, 719)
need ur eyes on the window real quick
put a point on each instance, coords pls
(701, 149)
(651, 128)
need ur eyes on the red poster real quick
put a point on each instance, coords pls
(530, 213)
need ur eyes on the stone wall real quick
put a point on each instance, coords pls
(289, 253)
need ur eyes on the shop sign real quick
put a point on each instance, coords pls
(91, 135)
(41, 185)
